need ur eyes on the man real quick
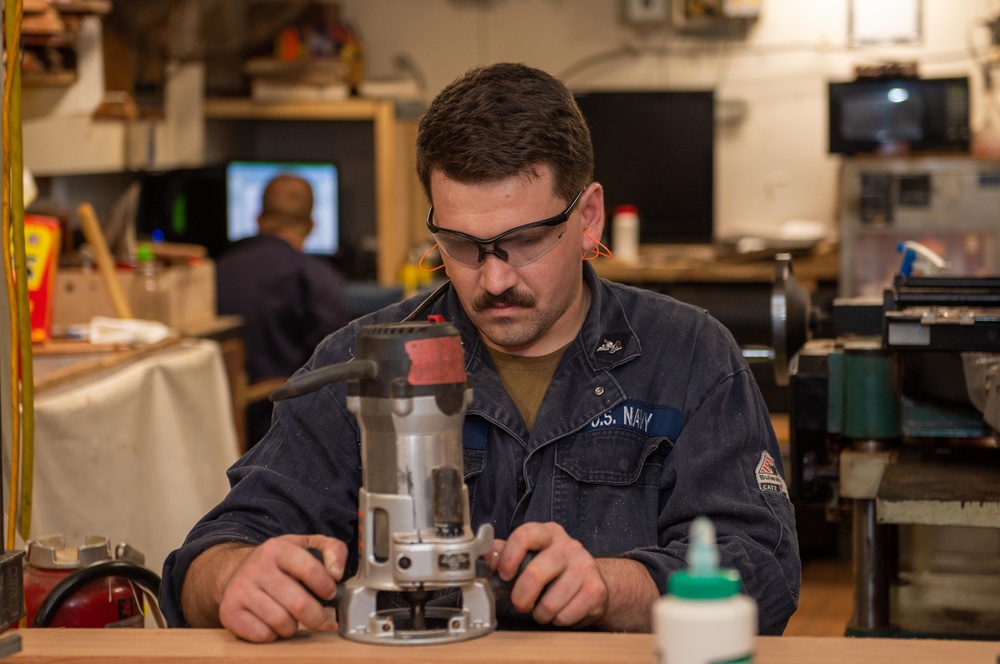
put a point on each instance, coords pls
(604, 418)
(288, 300)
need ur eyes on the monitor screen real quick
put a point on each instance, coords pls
(184, 205)
(655, 150)
(245, 182)
(899, 115)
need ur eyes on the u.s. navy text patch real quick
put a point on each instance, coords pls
(645, 419)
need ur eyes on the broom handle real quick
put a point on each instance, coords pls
(105, 265)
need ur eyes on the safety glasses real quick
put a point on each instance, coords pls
(518, 246)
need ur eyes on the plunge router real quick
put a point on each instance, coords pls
(407, 386)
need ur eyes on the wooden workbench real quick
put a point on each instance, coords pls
(188, 646)
(706, 263)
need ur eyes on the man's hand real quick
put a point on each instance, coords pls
(262, 592)
(565, 586)
(562, 585)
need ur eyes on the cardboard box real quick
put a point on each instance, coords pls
(80, 295)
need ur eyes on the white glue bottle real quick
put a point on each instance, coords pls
(625, 233)
(704, 618)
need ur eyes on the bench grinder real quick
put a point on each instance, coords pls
(407, 387)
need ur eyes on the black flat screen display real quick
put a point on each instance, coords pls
(656, 150)
(899, 116)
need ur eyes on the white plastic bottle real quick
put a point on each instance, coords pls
(148, 296)
(625, 233)
(704, 618)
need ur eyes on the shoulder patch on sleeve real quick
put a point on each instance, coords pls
(768, 477)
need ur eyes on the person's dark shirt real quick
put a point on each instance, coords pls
(289, 302)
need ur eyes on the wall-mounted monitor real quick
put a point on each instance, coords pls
(245, 182)
(656, 150)
(899, 116)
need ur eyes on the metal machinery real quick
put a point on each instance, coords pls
(407, 386)
(949, 203)
(894, 423)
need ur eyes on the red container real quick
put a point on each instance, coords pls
(107, 602)
(41, 253)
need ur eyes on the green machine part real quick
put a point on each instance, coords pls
(864, 394)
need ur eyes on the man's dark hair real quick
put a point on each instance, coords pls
(503, 120)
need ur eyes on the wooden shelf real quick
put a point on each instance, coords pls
(82, 6)
(53, 40)
(702, 263)
(347, 109)
(59, 79)
(49, 34)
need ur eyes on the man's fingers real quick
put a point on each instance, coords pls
(259, 618)
(300, 604)
(275, 590)
(580, 611)
(562, 584)
(551, 599)
(534, 579)
(303, 566)
(333, 553)
(494, 557)
(526, 537)
(248, 627)
(331, 619)
(575, 600)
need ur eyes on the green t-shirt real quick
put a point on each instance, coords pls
(526, 379)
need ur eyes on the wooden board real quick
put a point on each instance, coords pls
(958, 486)
(55, 369)
(106, 646)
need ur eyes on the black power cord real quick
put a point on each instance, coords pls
(72, 583)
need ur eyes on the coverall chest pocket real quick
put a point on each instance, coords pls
(607, 489)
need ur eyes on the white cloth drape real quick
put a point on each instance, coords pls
(137, 455)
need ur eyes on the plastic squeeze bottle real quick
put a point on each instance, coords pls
(148, 295)
(704, 618)
(625, 233)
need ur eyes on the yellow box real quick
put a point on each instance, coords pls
(41, 252)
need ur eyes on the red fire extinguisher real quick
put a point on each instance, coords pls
(85, 586)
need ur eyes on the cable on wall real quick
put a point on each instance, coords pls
(15, 272)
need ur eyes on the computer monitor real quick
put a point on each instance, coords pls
(656, 150)
(245, 182)
(184, 205)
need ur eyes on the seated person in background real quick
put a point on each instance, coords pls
(288, 300)
(604, 418)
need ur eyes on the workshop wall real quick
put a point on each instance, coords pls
(772, 166)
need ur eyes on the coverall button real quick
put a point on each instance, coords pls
(598, 391)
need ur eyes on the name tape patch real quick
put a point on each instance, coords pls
(649, 420)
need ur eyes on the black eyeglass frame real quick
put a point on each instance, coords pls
(560, 218)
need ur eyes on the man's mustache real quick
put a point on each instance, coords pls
(509, 298)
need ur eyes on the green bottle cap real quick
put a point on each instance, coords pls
(720, 585)
(144, 253)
